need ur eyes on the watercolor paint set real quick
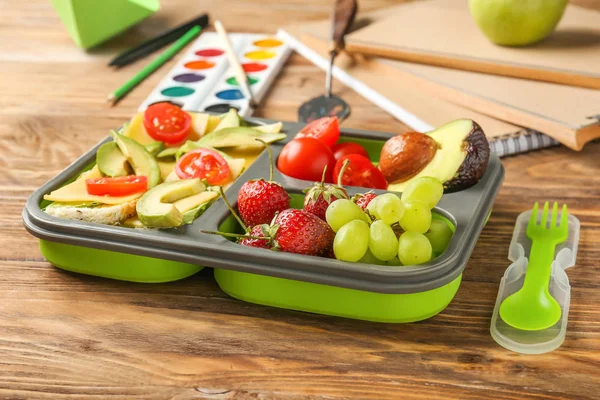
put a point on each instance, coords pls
(203, 80)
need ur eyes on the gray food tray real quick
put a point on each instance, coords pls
(467, 210)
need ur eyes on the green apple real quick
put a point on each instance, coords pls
(517, 22)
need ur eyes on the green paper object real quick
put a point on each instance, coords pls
(91, 22)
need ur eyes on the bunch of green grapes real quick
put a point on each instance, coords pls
(392, 230)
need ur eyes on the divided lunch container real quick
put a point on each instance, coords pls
(313, 284)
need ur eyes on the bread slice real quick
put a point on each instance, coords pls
(103, 214)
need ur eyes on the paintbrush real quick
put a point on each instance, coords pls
(238, 71)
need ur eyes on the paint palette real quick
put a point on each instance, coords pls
(204, 81)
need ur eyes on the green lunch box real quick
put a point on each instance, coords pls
(305, 283)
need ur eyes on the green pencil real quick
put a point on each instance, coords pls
(154, 65)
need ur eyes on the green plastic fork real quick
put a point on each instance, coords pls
(532, 308)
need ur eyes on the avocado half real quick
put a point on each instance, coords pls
(157, 208)
(459, 162)
(111, 160)
(141, 160)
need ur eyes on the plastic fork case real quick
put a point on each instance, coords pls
(565, 254)
(314, 284)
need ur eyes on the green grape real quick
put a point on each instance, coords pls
(386, 207)
(389, 208)
(394, 262)
(426, 189)
(372, 207)
(413, 248)
(439, 235)
(382, 241)
(369, 258)
(416, 218)
(351, 241)
(342, 211)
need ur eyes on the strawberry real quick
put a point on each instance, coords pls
(363, 200)
(297, 231)
(320, 196)
(328, 253)
(257, 231)
(259, 200)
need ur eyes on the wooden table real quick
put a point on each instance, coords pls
(64, 335)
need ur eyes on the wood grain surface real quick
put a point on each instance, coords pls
(69, 336)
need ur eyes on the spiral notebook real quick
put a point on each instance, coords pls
(403, 99)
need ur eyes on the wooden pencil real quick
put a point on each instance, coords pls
(154, 65)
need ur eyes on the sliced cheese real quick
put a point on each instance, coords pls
(213, 122)
(236, 167)
(136, 131)
(166, 167)
(199, 125)
(248, 155)
(172, 177)
(77, 192)
(133, 222)
(271, 128)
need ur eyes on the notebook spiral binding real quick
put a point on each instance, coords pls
(522, 141)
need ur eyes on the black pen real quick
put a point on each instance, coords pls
(158, 42)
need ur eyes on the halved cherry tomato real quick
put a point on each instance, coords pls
(360, 172)
(204, 164)
(326, 129)
(343, 149)
(167, 122)
(118, 186)
(305, 158)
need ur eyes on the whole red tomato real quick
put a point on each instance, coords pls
(360, 172)
(343, 149)
(305, 158)
(326, 129)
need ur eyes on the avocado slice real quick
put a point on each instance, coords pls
(111, 160)
(156, 209)
(143, 163)
(460, 160)
(168, 152)
(240, 136)
(193, 206)
(229, 120)
(155, 147)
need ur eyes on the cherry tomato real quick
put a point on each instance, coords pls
(360, 172)
(204, 164)
(343, 149)
(167, 123)
(326, 129)
(305, 158)
(118, 186)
